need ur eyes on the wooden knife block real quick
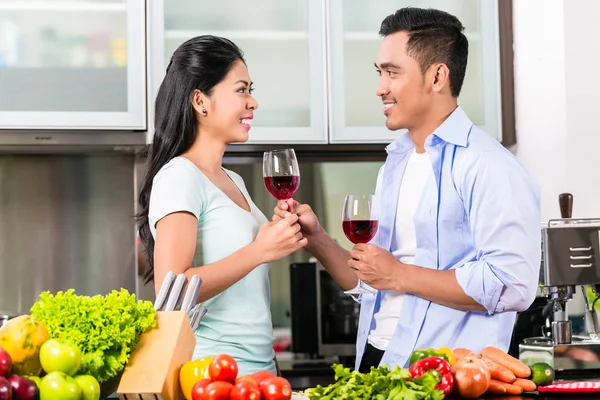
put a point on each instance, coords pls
(153, 368)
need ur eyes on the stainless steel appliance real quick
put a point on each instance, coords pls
(570, 262)
(324, 320)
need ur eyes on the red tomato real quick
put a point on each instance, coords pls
(223, 368)
(198, 388)
(261, 376)
(217, 390)
(245, 390)
(276, 388)
(247, 378)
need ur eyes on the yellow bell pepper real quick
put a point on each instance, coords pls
(191, 372)
(448, 353)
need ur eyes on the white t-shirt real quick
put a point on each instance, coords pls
(404, 244)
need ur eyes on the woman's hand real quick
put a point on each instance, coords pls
(279, 239)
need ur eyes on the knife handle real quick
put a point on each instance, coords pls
(165, 288)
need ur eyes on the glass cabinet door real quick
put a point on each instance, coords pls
(283, 43)
(72, 64)
(356, 111)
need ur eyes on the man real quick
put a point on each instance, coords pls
(457, 252)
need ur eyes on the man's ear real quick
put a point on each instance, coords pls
(199, 102)
(440, 77)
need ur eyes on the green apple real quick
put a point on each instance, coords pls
(59, 386)
(90, 388)
(58, 356)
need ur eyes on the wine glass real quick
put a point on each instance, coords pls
(281, 173)
(359, 222)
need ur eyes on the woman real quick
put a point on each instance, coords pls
(197, 217)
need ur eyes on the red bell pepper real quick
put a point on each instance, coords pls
(438, 364)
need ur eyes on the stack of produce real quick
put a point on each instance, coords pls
(435, 373)
(70, 345)
(216, 378)
(495, 372)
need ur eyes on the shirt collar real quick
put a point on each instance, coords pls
(455, 130)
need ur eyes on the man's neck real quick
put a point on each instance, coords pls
(429, 124)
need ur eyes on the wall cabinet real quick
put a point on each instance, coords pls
(97, 64)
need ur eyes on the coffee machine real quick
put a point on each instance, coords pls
(570, 262)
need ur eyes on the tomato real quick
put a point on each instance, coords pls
(471, 377)
(223, 368)
(261, 376)
(276, 388)
(247, 378)
(191, 372)
(217, 390)
(245, 390)
(199, 388)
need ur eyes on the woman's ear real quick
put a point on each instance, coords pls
(199, 102)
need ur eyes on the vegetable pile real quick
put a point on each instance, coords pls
(383, 384)
(106, 328)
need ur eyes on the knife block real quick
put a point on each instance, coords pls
(152, 371)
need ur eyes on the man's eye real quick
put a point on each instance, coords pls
(390, 73)
(378, 72)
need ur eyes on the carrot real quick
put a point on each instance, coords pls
(517, 367)
(499, 372)
(461, 352)
(496, 387)
(526, 384)
(511, 388)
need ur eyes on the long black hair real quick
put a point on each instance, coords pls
(198, 64)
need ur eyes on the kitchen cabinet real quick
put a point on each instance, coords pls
(357, 113)
(284, 46)
(312, 62)
(72, 65)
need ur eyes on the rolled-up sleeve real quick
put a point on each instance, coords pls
(503, 206)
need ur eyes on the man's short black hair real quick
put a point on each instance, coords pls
(434, 37)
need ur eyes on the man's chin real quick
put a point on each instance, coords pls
(393, 126)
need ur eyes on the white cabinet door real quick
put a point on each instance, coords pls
(284, 47)
(356, 112)
(72, 64)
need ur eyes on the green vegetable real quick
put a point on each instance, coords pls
(379, 384)
(421, 354)
(106, 328)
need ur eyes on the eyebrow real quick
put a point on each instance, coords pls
(386, 65)
(244, 82)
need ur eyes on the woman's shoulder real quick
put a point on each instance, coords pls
(180, 169)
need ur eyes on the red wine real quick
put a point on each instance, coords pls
(359, 231)
(282, 187)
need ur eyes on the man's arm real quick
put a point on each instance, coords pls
(334, 259)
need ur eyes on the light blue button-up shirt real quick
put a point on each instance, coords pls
(480, 216)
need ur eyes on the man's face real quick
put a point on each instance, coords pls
(402, 87)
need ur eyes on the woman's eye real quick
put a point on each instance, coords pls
(251, 90)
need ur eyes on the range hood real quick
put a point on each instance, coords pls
(71, 141)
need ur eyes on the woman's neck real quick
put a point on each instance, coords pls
(207, 154)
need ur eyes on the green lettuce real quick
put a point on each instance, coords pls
(380, 383)
(106, 328)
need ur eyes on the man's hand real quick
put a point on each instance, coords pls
(375, 266)
(306, 217)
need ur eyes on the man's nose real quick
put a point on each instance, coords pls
(383, 88)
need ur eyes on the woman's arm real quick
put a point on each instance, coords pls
(175, 246)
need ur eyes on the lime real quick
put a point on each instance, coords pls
(542, 374)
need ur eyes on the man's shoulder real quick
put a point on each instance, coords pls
(481, 146)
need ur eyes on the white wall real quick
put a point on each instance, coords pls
(557, 56)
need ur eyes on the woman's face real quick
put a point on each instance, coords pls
(230, 107)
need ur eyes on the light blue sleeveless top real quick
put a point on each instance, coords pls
(238, 321)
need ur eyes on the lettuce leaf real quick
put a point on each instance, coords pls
(106, 328)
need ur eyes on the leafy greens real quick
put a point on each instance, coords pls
(379, 384)
(106, 328)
